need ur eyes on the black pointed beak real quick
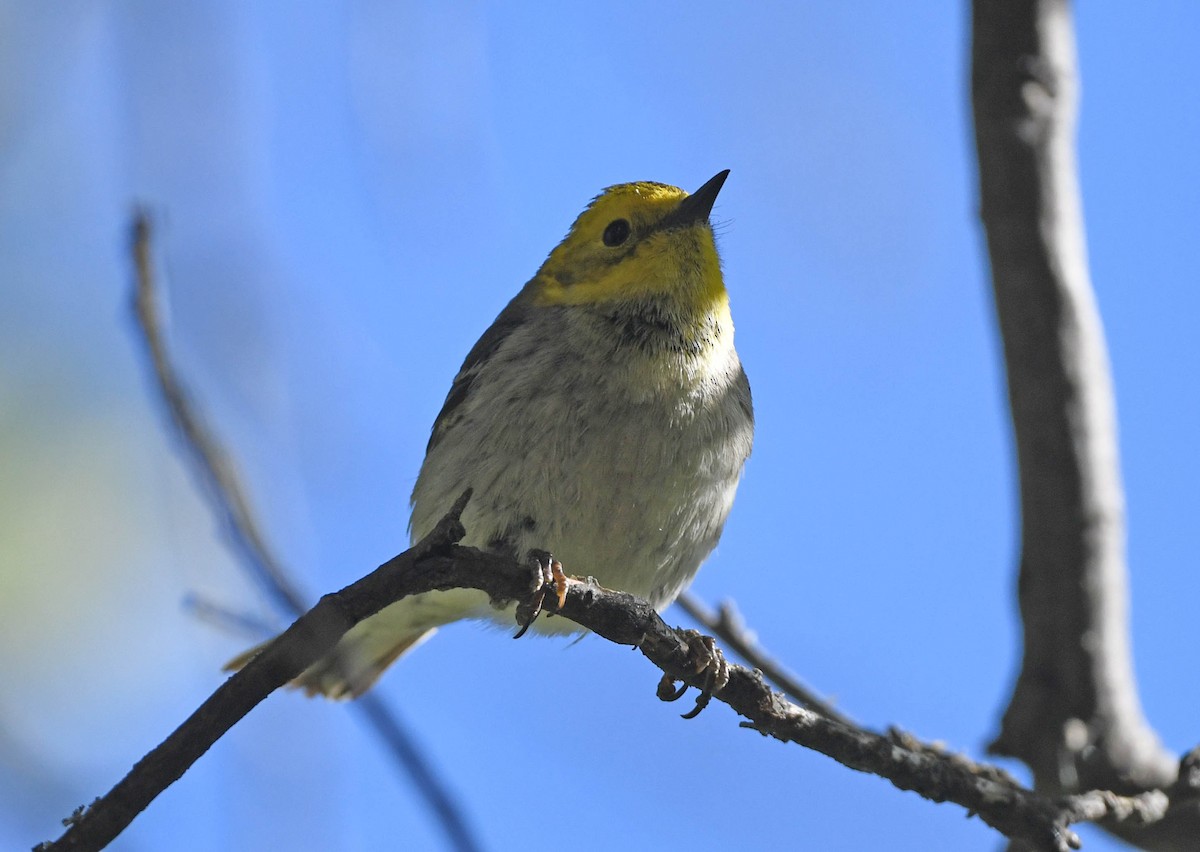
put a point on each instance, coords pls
(696, 207)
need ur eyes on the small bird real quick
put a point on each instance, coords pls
(604, 417)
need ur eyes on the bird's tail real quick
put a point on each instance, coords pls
(361, 656)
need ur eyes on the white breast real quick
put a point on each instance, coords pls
(622, 469)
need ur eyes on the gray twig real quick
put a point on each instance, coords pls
(727, 625)
(439, 563)
(214, 466)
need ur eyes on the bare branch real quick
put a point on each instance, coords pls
(229, 498)
(246, 625)
(438, 563)
(1075, 717)
(210, 460)
(312, 636)
(727, 625)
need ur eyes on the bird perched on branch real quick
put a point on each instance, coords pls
(603, 417)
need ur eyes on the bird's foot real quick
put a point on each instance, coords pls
(703, 657)
(547, 572)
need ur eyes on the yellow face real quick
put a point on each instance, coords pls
(625, 246)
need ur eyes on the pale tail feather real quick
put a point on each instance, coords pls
(375, 643)
(351, 668)
(356, 663)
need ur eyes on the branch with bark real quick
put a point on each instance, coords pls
(1074, 717)
(221, 483)
(439, 563)
(727, 625)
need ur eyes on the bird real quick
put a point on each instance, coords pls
(604, 417)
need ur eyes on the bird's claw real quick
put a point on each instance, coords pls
(547, 572)
(667, 691)
(703, 657)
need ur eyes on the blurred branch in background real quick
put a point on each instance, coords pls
(1075, 717)
(222, 484)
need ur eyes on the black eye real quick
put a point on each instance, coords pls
(617, 232)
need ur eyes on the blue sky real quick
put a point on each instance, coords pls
(347, 197)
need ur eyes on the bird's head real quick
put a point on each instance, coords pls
(637, 242)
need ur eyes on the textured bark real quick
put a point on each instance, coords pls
(439, 563)
(1075, 718)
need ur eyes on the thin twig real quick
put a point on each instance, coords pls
(210, 461)
(727, 624)
(249, 627)
(438, 563)
(228, 497)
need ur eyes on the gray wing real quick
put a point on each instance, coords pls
(509, 319)
(741, 389)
